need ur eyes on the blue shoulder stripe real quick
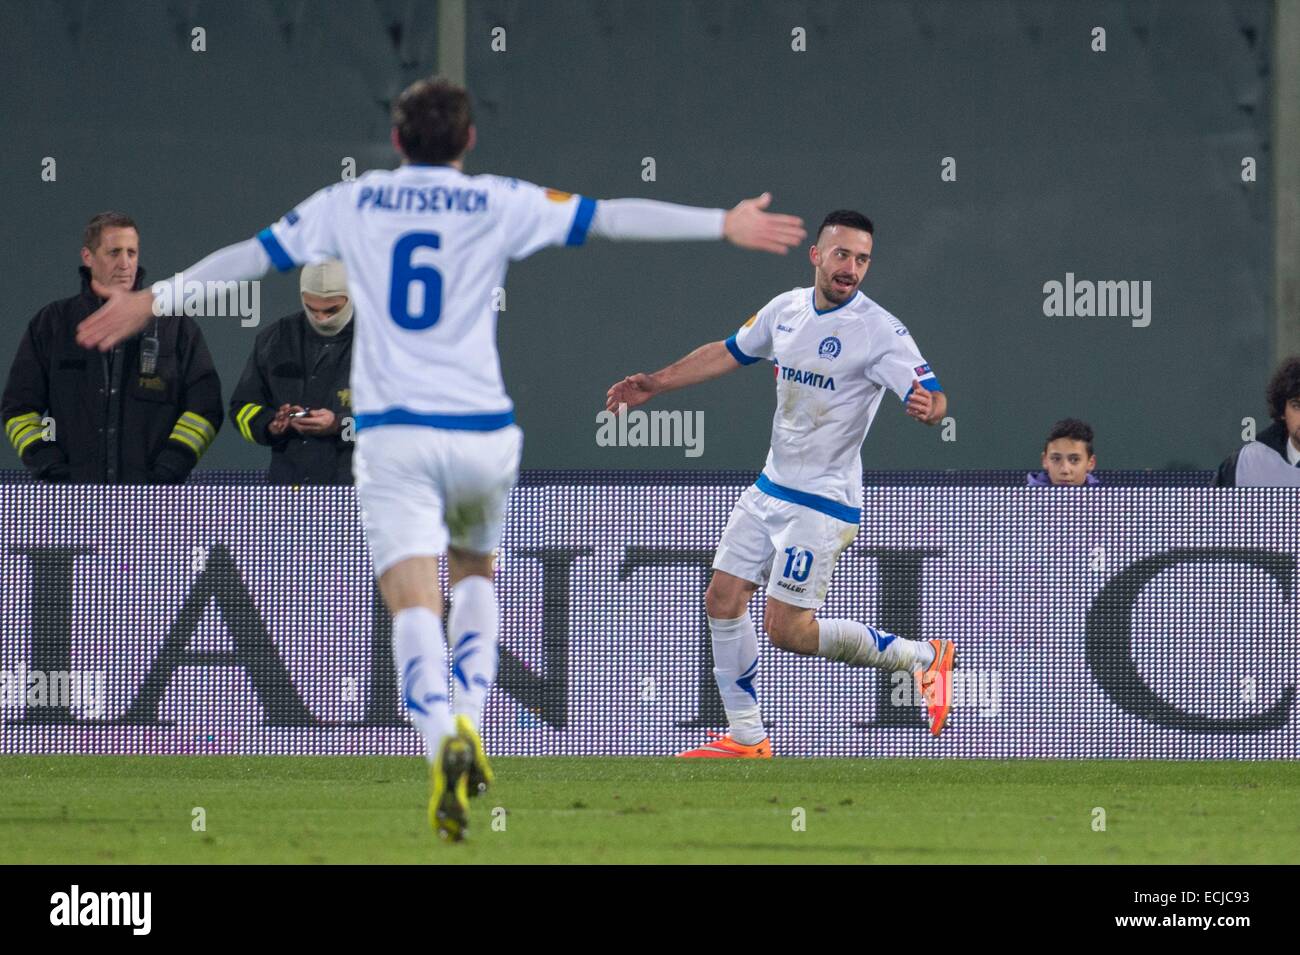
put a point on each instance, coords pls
(279, 258)
(929, 383)
(581, 221)
(739, 355)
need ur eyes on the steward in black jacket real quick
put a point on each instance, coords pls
(143, 413)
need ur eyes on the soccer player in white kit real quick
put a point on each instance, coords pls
(836, 353)
(426, 248)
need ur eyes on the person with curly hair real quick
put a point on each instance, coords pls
(1273, 458)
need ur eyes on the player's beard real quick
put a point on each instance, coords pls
(832, 294)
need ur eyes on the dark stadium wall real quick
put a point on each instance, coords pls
(1123, 165)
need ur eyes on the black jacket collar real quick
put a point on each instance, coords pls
(1275, 437)
(88, 293)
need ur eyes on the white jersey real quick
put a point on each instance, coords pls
(832, 369)
(426, 249)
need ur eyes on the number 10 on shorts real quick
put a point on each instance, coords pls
(798, 564)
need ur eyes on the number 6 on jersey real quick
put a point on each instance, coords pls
(406, 274)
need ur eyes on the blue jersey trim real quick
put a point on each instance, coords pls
(836, 308)
(581, 221)
(822, 505)
(279, 258)
(929, 384)
(737, 354)
(451, 422)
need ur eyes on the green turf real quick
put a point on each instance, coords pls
(79, 809)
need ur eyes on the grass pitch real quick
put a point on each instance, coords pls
(99, 809)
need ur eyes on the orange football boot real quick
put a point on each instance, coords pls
(724, 747)
(935, 684)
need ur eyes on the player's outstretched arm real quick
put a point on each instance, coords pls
(926, 406)
(708, 361)
(126, 313)
(748, 225)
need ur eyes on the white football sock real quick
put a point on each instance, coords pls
(924, 653)
(847, 641)
(475, 627)
(420, 653)
(735, 665)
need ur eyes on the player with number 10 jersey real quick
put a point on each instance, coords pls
(836, 354)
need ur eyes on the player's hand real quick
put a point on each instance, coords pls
(122, 316)
(920, 403)
(317, 423)
(749, 227)
(631, 391)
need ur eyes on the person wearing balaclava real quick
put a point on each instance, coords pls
(294, 395)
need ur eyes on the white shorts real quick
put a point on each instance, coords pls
(421, 487)
(789, 547)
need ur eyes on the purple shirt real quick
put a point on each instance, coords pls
(1040, 479)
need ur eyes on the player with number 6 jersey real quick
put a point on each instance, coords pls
(432, 245)
(836, 353)
(426, 248)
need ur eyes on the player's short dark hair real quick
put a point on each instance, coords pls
(432, 118)
(1071, 428)
(846, 217)
(105, 220)
(1283, 386)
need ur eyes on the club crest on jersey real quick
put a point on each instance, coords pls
(829, 348)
